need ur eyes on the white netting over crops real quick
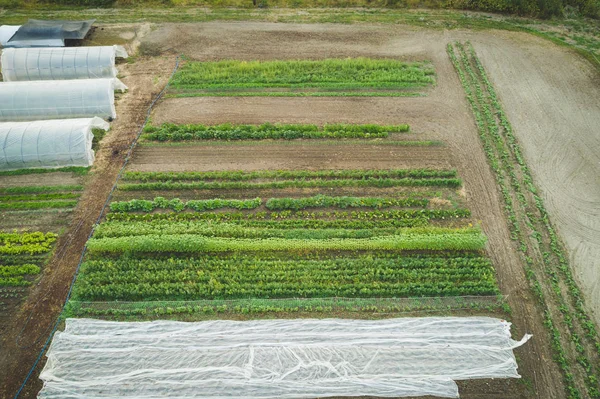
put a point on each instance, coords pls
(58, 99)
(48, 144)
(276, 358)
(62, 63)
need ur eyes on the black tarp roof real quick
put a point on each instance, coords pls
(36, 29)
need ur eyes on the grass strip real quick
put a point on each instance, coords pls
(76, 170)
(37, 205)
(39, 189)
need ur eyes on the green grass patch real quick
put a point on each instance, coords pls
(39, 189)
(76, 170)
(36, 205)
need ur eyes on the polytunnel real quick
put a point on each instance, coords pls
(35, 100)
(48, 144)
(60, 63)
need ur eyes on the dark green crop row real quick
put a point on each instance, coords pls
(178, 205)
(36, 205)
(324, 201)
(238, 175)
(20, 270)
(172, 132)
(317, 183)
(248, 277)
(38, 189)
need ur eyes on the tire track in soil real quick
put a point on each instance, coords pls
(16, 360)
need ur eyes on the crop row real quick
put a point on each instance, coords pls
(38, 197)
(214, 277)
(14, 271)
(324, 201)
(238, 175)
(38, 189)
(172, 132)
(31, 205)
(316, 183)
(189, 243)
(178, 205)
(211, 229)
(387, 218)
(340, 74)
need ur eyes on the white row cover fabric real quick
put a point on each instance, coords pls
(64, 99)
(62, 63)
(48, 144)
(265, 359)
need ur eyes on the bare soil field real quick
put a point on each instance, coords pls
(555, 111)
(274, 156)
(533, 104)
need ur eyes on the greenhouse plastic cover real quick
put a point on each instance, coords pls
(61, 99)
(264, 359)
(40, 33)
(61, 63)
(48, 144)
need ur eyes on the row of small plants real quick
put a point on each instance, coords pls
(281, 184)
(502, 148)
(14, 276)
(178, 205)
(232, 230)
(214, 277)
(238, 175)
(319, 201)
(38, 189)
(305, 218)
(324, 201)
(172, 132)
(149, 309)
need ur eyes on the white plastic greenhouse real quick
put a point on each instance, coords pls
(48, 144)
(23, 64)
(36, 100)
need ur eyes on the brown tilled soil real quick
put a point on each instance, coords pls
(443, 115)
(145, 78)
(555, 111)
(298, 156)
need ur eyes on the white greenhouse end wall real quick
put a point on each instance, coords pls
(25, 64)
(48, 144)
(303, 358)
(61, 99)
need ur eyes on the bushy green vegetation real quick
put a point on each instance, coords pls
(214, 277)
(178, 205)
(193, 243)
(26, 243)
(21, 255)
(172, 132)
(324, 201)
(387, 218)
(289, 78)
